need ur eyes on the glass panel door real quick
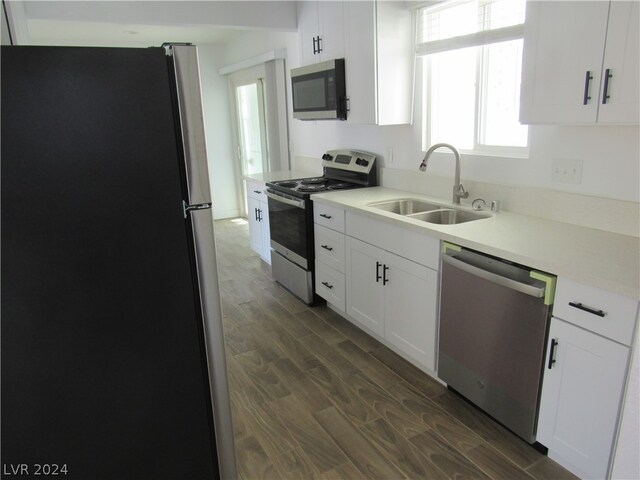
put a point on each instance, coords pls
(252, 138)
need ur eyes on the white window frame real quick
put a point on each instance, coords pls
(478, 39)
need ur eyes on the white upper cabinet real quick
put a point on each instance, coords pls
(622, 60)
(376, 40)
(567, 71)
(379, 62)
(321, 29)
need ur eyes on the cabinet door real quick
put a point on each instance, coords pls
(265, 233)
(622, 59)
(580, 399)
(411, 296)
(255, 229)
(563, 41)
(331, 21)
(365, 294)
(308, 28)
(360, 64)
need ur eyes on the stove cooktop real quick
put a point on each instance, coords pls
(313, 185)
(342, 170)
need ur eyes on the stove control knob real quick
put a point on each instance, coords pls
(327, 157)
(362, 162)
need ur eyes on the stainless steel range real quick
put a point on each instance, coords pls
(291, 216)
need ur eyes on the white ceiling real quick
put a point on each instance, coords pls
(145, 23)
(93, 34)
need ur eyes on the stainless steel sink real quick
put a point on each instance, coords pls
(405, 206)
(448, 216)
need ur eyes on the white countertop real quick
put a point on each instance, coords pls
(606, 260)
(279, 175)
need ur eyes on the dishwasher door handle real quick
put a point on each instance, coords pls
(531, 290)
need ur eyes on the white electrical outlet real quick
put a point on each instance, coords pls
(389, 157)
(567, 170)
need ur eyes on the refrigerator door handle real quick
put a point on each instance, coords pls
(186, 208)
(184, 61)
(187, 79)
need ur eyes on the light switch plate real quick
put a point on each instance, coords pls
(567, 170)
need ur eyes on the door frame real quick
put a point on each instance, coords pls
(235, 80)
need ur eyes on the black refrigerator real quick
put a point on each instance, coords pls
(113, 363)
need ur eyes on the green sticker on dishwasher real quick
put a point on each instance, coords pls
(550, 281)
(450, 246)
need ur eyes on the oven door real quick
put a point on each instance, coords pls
(291, 225)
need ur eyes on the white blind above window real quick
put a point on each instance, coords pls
(468, 23)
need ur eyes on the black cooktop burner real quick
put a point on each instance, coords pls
(313, 181)
(285, 184)
(310, 188)
(340, 186)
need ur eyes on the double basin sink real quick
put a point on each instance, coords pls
(427, 212)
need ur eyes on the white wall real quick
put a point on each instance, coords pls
(215, 101)
(252, 14)
(610, 155)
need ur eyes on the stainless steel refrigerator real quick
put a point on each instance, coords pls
(113, 363)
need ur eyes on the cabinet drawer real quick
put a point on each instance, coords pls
(330, 285)
(255, 189)
(331, 217)
(608, 314)
(409, 244)
(329, 247)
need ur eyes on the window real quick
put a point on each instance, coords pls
(472, 66)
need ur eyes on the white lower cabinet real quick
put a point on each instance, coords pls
(394, 298)
(585, 372)
(258, 218)
(365, 294)
(375, 286)
(329, 251)
(330, 285)
(581, 398)
(411, 296)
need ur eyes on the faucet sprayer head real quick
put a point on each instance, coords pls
(423, 165)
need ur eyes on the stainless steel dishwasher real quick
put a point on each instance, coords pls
(494, 317)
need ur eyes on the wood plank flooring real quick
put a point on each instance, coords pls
(313, 397)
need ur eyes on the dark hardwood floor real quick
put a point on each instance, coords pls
(313, 397)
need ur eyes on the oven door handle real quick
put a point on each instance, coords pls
(294, 202)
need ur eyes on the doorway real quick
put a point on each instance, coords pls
(259, 121)
(252, 147)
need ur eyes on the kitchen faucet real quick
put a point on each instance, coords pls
(458, 190)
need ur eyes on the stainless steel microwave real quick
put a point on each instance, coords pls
(319, 91)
